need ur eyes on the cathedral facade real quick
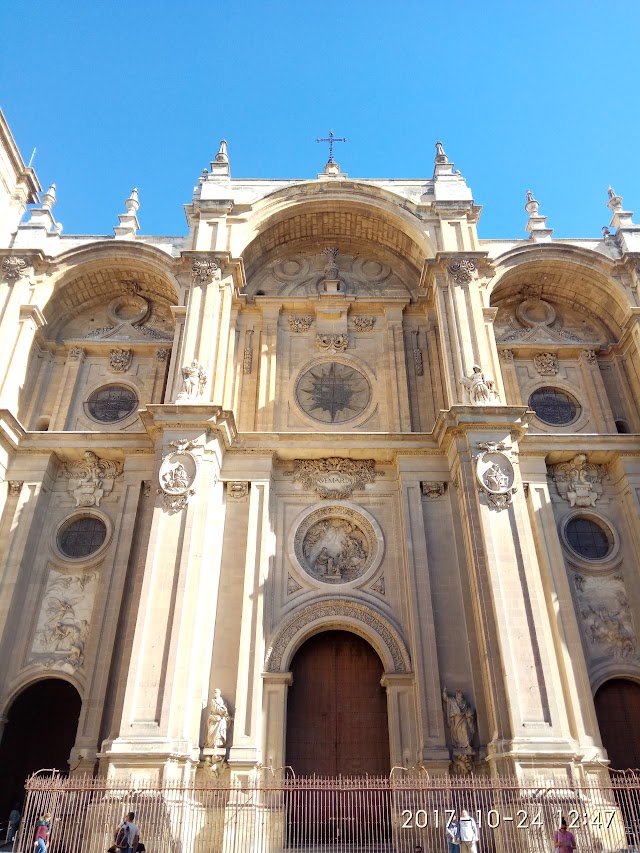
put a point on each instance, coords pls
(329, 483)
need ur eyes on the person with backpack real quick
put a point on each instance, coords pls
(41, 837)
(127, 835)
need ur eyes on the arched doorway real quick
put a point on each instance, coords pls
(40, 732)
(337, 710)
(618, 710)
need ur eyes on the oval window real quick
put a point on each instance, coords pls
(81, 537)
(554, 407)
(112, 403)
(587, 538)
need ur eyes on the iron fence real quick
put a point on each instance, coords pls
(340, 815)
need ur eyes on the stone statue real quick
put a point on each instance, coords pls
(194, 378)
(460, 718)
(480, 387)
(218, 721)
(176, 480)
(495, 478)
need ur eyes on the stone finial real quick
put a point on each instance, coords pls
(615, 201)
(49, 198)
(441, 156)
(222, 156)
(220, 163)
(536, 226)
(128, 220)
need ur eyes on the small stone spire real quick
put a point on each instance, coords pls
(49, 198)
(42, 217)
(536, 226)
(627, 232)
(128, 221)
(442, 164)
(220, 164)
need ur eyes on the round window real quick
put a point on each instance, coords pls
(553, 406)
(111, 404)
(589, 539)
(333, 392)
(82, 537)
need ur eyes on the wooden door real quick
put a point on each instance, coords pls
(618, 710)
(337, 710)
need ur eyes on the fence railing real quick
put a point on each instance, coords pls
(337, 815)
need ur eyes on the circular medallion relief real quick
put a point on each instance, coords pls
(332, 392)
(336, 544)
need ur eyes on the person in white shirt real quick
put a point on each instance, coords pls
(467, 833)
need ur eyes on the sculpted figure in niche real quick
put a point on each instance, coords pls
(480, 387)
(460, 718)
(218, 721)
(495, 478)
(176, 480)
(194, 378)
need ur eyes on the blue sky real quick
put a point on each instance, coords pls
(540, 96)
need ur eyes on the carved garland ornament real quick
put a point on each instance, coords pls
(495, 475)
(203, 270)
(178, 475)
(300, 324)
(332, 343)
(334, 477)
(546, 363)
(338, 610)
(120, 360)
(363, 324)
(462, 271)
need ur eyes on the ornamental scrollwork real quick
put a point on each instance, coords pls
(495, 475)
(578, 481)
(300, 324)
(462, 271)
(90, 478)
(334, 477)
(14, 267)
(332, 343)
(178, 475)
(204, 270)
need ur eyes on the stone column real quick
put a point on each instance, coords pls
(593, 386)
(509, 379)
(267, 367)
(72, 370)
(399, 411)
(16, 351)
(426, 707)
(274, 715)
(168, 673)
(247, 729)
(521, 679)
(400, 689)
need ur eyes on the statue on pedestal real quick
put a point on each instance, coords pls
(217, 722)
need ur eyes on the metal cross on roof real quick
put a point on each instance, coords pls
(331, 139)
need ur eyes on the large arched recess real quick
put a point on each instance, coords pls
(40, 732)
(567, 274)
(349, 214)
(337, 719)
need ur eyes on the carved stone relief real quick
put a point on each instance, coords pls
(535, 319)
(462, 271)
(247, 361)
(63, 624)
(378, 586)
(335, 544)
(331, 392)
(162, 354)
(292, 585)
(205, 270)
(433, 489)
(578, 481)
(120, 360)
(237, 490)
(15, 487)
(546, 363)
(134, 317)
(76, 353)
(178, 475)
(334, 477)
(495, 475)
(606, 617)
(13, 267)
(90, 478)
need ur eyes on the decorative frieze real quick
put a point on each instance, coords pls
(247, 360)
(546, 363)
(605, 614)
(363, 324)
(120, 360)
(300, 324)
(91, 478)
(178, 475)
(418, 362)
(332, 343)
(13, 267)
(578, 481)
(432, 489)
(462, 271)
(334, 477)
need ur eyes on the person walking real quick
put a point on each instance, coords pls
(41, 837)
(467, 833)
(127, 835)
(14, 822)
(452, 836)
(563, 840)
